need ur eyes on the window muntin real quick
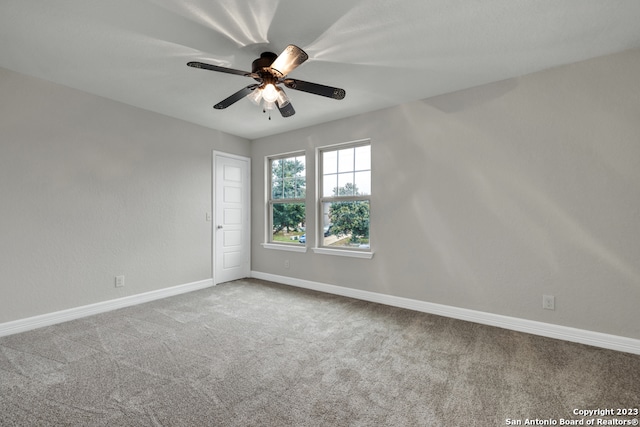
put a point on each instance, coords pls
(287, 193)
(345, 189)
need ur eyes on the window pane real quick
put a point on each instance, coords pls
(346, 224)
(276, 190)
(289, 186)
(275, 169)
(345, 160)
(288, 178)
(363, 158)
(363, 183)
(300, 171)
(288, 223)
(345, 184)
(301, 188)
(329, 185)
(329, 162)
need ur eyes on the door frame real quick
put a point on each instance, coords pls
(215, 220)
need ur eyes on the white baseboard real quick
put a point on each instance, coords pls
(49, 319)
(597, 339)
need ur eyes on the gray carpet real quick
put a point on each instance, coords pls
(253, 353)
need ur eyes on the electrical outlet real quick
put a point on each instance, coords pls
(548, 302)
(286, 263)
(119, 281)
(208, 216)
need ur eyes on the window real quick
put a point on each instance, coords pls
(287, 192)
(344, 196)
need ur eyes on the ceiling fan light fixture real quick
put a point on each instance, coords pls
(261, 96)
(270, 93)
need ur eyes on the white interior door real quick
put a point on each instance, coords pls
(231, 234)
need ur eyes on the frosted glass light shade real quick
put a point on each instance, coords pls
(255, 96)
(282, 98)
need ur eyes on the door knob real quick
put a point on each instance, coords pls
(219, 227)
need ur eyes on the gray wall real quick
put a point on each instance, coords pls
(490, 197)
(91, 189)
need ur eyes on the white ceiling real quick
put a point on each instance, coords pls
(382, 52)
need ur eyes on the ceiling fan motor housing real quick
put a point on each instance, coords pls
(265, 61)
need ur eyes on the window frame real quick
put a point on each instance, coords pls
(321, 200)
(270, 202)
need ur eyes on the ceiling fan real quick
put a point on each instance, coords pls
(269, 71)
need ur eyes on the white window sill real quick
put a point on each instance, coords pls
(284, 247)
(342, 252)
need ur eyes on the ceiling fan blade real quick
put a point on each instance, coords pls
(235, 97)
(288, 60)
(210, 67)
(315, 88)
(287, 110)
